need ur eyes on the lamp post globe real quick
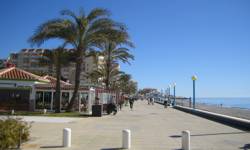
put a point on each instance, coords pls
(194, 77)
(174, 84)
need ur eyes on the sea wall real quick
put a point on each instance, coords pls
(239, 123)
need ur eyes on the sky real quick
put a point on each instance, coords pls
(174, 39)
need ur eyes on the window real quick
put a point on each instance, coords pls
(65, 100)
(34, 65)
(47, 100)
(26, 60)
(43, 100)
(83, 67)
(39, 100)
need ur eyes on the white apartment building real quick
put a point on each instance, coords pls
(28, 59)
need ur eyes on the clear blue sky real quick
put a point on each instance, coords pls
(174, 39)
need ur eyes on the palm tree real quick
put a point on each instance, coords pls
(123, 82)
(99, 75)
(57, 57)
(113, 52)
(83, 32)
(126, 85)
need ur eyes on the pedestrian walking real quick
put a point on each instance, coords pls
(151, 100)
(165, 103)
(131, 102)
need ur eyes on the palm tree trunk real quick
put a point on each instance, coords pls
(108, 63)
(108, 75)
(58, 87)
(77, 80)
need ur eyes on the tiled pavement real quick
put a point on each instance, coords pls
(152, 127)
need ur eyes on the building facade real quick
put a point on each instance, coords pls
(2, 63)
(22, 90)
(29, 60)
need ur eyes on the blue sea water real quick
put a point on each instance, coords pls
(227, 102)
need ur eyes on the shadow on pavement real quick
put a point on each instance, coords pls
(112, 148)
(246, 147)
(208, 134)
(58, 146)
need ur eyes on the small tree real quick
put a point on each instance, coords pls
(11, 130)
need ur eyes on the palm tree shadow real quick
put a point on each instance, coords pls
(55, 146)
(210, 134)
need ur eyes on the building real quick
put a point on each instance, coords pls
(2, 63)
(22, 90)
(29, 60)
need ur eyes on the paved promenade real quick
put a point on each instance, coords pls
(152, 127)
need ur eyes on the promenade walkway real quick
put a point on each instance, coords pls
(152, 127)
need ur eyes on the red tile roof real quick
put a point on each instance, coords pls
(53, 80)
(52, 84)
(14, 73)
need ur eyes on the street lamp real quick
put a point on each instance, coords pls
(194, 78)
(169, 88)
(174, 85)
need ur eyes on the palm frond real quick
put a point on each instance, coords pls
(56, 28)
(97, 13)
(67, 12)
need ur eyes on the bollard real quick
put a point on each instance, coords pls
(44, 111)
(126, 139)
(12, 112)
(66, 137)
(185, 140)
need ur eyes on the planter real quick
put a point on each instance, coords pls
(97, 110)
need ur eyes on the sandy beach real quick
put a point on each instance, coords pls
(230, 111)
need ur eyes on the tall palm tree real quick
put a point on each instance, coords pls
(83, 32)
(126, 85)
(123, 82)
(113, 52)
(58, 57)
(99, 75)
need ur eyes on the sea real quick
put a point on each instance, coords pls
(237, 102)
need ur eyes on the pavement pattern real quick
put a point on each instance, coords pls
(43, 119)
(153, 127)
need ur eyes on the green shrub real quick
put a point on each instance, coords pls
(10, 131)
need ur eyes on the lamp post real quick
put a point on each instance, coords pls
(169, 88)
(194, 78)
(174, 85)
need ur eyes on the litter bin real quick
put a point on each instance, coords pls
(97, 110)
